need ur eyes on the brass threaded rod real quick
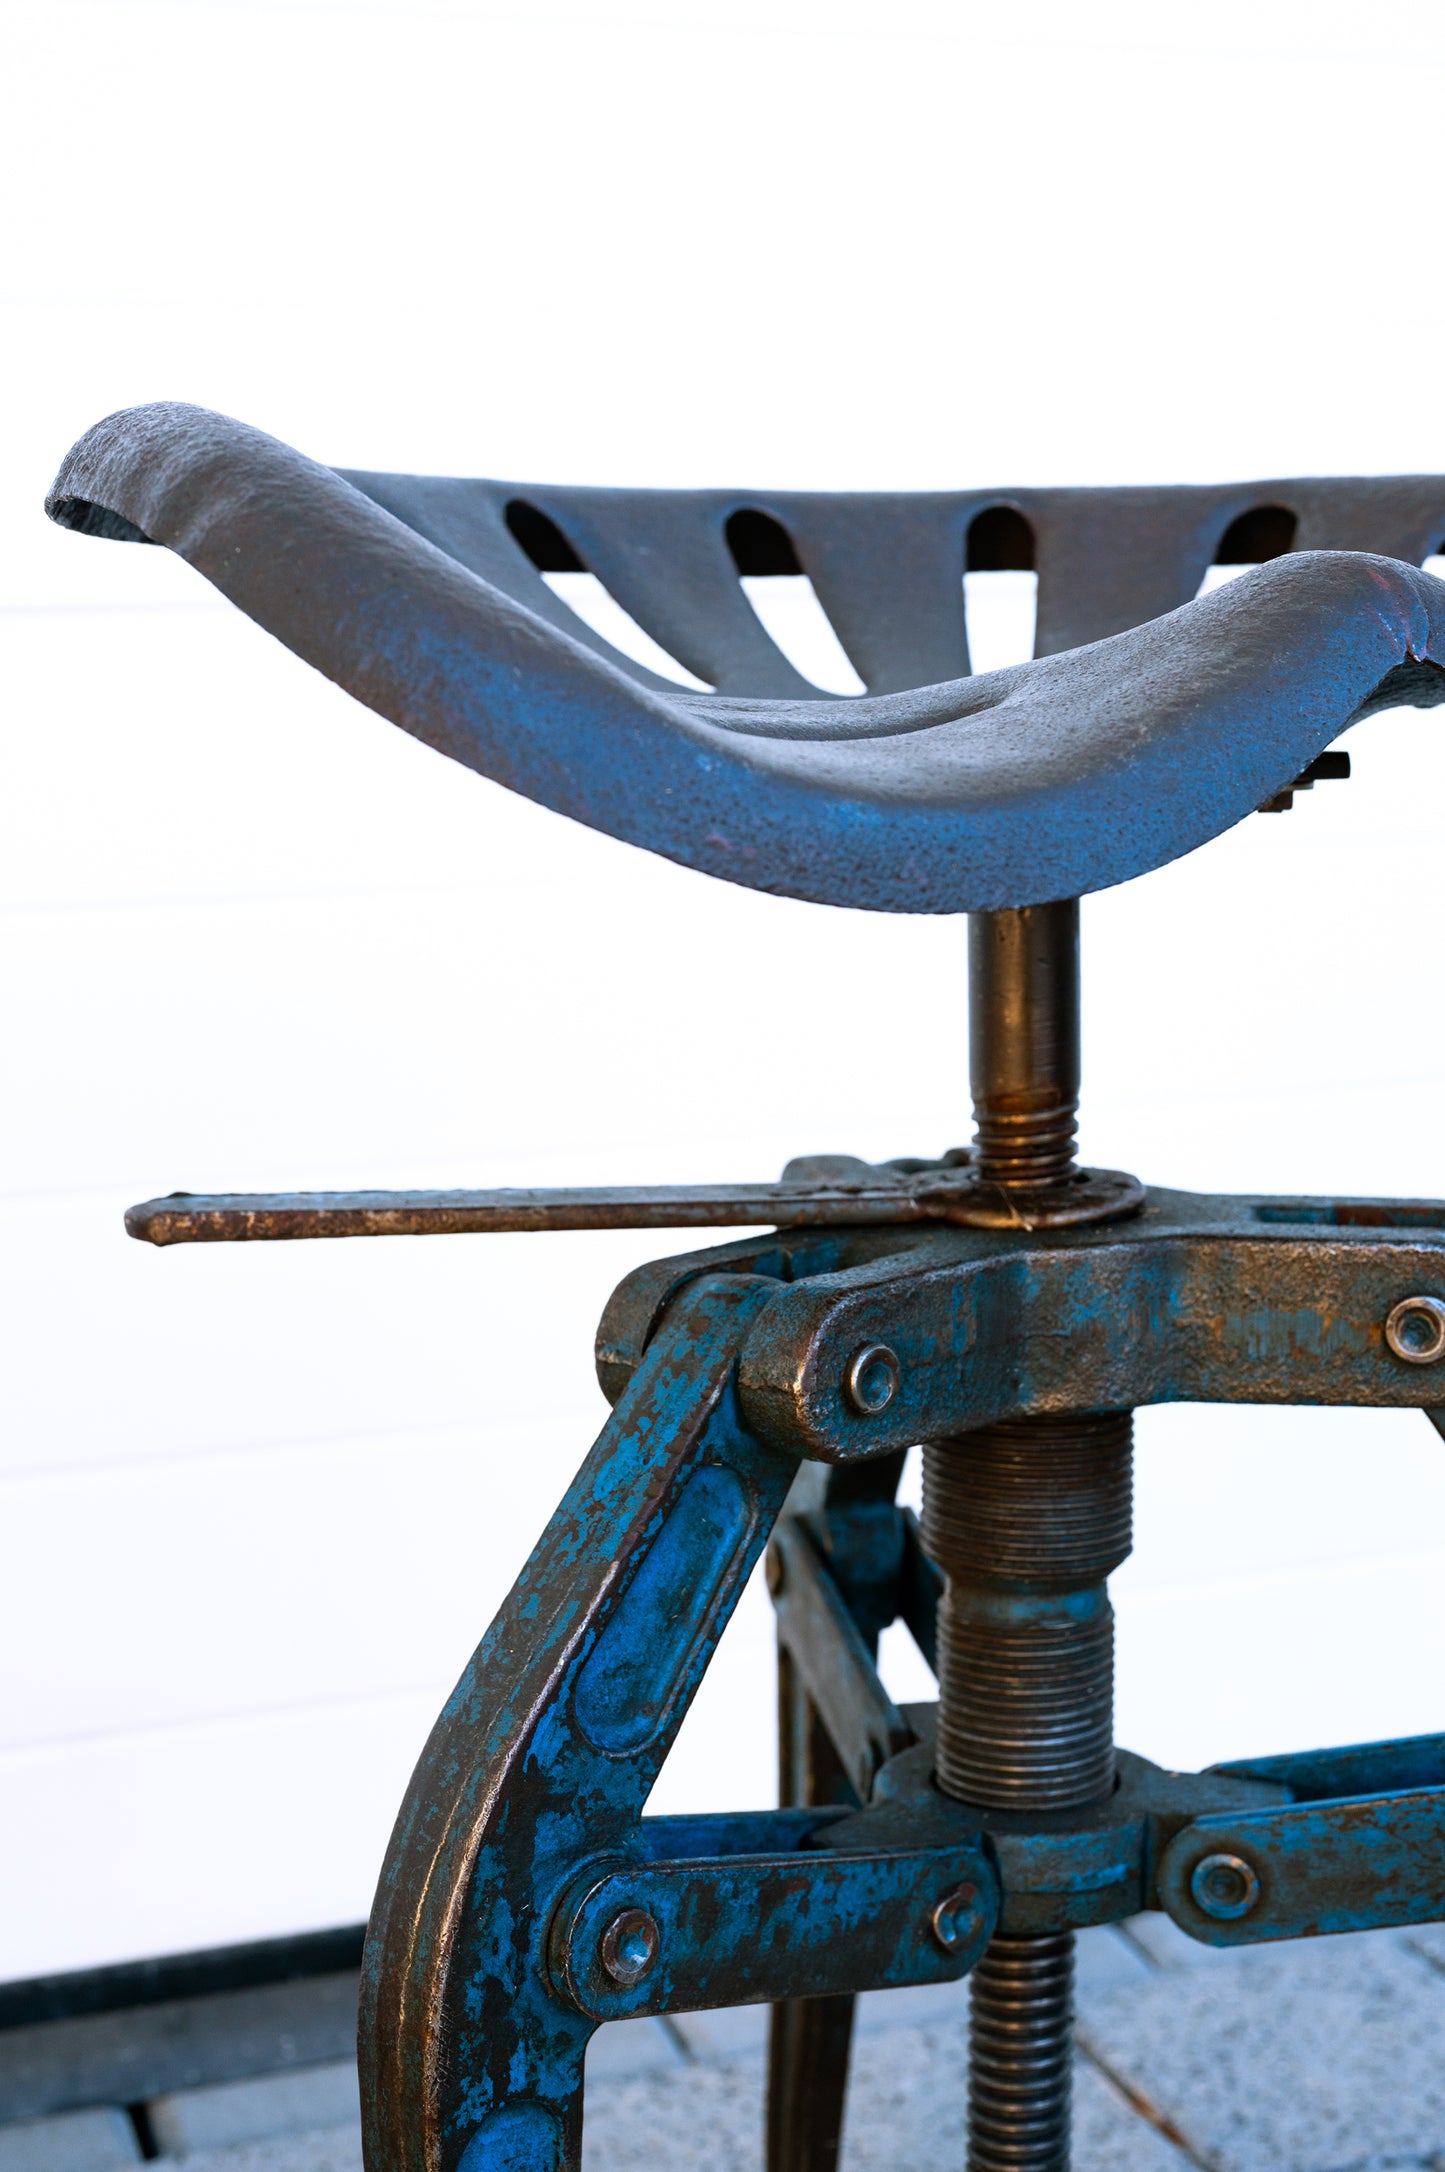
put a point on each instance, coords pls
(1023, 976)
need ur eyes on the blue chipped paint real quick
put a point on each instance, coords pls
(520, 2137)
(630, 1677)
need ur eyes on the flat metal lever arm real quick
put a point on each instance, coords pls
(239, 1217)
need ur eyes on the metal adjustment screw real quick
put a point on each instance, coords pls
(872, 1378)
(1415, 1330)
(957, 1918)
(629, 1946)
(1224, 1886)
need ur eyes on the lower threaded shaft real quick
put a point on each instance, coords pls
(1026, 1519)
(1019, 2054)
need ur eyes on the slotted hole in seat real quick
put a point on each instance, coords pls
(772, 578)
(1000, 589)
(1251, 539)
(586, 597)
(1435, 563)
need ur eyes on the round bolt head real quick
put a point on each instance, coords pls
(629, 1946)
(958, 1918)
(1415, 1330)
(872, 1378)
(1224, 1886)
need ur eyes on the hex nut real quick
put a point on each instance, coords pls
(629, 1946)
(1415, 1330)
(1225, 1887)
(871, 1379)
(957, 1918)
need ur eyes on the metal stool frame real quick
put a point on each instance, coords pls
(1001, 1305)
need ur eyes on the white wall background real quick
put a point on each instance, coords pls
(257, 1505)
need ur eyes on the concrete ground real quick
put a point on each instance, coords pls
(1321, 2057)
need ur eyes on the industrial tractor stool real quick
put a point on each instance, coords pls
(1001, 1305)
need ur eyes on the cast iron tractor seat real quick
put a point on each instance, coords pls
(998, 1304)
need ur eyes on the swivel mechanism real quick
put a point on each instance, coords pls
(999, 1304)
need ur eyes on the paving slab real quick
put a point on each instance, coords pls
(905, 2114)
(1107, 1959)
(1428, 1940)
(725, 2032)
(621, 2049)
(91, 2141)
(1163, 1945)
(1326, 2056)
(190, 2120)
(741, 2032)
(1104, 1960)
(321, 2149)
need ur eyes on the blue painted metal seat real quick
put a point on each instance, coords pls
(1147, 723)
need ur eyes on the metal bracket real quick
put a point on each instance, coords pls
(1195, 1299)
(835, 1664)
(666, 1936)
(1361, 1846)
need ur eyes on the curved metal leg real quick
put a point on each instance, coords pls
(471, 2056)
(525, 1899)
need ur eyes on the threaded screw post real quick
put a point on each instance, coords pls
(1019, 2052)
(1026, 1519)
(1023, 976)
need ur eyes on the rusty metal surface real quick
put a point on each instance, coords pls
(1024, 1057)
(836, 1669)
(1026, 1519)
(525, 1897)
(242, 1218)
(808, 2048)
(845, 1192)
(521, 1862)
(1147, 723)
(1197, 1299)
(1347, 1860)
(641, 1298)
(480, 1987)
(740, 1929)
(810, 2039)
(546, 1753)
(949, 1193)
